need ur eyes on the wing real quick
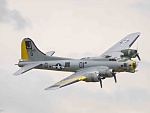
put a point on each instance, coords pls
(27, 68)
(80, 75)
(125, 43)
(76, 77)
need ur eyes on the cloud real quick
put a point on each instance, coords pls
(12, 17)
(143, 6)
(129, 99)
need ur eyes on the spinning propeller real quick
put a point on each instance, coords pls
(137, 54)
(100, 79)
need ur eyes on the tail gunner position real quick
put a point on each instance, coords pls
(90, 69)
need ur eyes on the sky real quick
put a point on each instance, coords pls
(75, 29)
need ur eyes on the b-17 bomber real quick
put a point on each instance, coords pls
(118, 58)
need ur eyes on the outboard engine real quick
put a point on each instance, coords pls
(130, 53)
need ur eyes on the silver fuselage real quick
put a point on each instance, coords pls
(77, 64)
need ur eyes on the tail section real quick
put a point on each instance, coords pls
(29, 51)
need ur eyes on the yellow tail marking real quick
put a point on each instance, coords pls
(24, 54)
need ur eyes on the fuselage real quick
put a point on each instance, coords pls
(77, 64)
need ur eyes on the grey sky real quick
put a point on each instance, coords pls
(72, 28)
(12, 16)
(143, 7)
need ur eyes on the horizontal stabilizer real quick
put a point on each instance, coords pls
(26, 68)
(50, 53)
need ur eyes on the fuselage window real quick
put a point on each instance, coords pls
(125, 65)
(67, 64)
(112, 59)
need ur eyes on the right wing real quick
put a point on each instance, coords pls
(125, 43)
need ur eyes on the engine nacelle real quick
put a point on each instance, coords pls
(92, 78)
(131, 53)
(103, 73)
(106, 72)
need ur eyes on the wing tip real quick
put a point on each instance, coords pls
(17, 73)
(52, 88)
(136, 33)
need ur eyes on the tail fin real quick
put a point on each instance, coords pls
(29, 51)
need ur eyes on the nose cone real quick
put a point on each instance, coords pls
(133, 65)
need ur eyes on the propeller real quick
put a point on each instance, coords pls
(114, 74)
(100, 80)
(137, 54)
(99, 77)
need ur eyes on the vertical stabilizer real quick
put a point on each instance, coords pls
(29, 51)
(24, 54)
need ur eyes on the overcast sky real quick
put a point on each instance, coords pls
(73, 28)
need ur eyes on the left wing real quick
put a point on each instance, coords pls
(76, 77)
(80, 75)
(125, 43)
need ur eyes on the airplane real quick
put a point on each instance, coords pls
(116, 59)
